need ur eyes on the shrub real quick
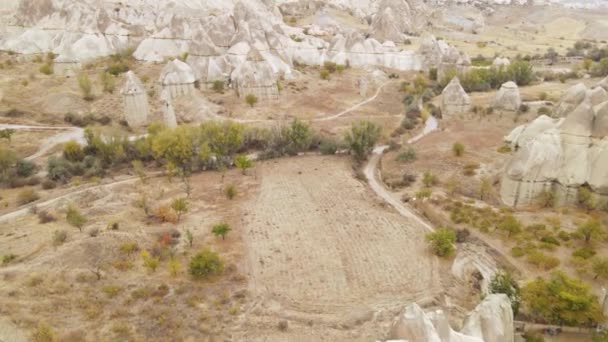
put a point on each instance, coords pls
(164, 214)
(324, 74)
(433, 74)
(180, 206)
(542, 260)
(362, 138)
(523, 108)
(25, 168)
(408, 179)
(469, 169)
(107, 82)
(251, 100)
(328, 146)
(8, 258)
(429, 179)
(26, 196)
(46, 69)
(509, 224)
(503, 282)
(72, 151)
(505, 148)
(59, 237)
(458, 149)
(150, 262)
(129, 247)
(218, 86)
(231, 191)
(117, 68)
(424, 193)
(543, 96)
(205, 264)
(544, 111)
(242, 162)
(442, 241)
(462, 235)
(43, 333)
(45, 217)
(517, 251)
(221, 229)
(584, 253)
(407, 155)
(75, 218)
(85, 87)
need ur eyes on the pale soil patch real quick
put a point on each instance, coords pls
(318, 244)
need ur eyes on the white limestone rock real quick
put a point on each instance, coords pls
(454, 100)
(492, 320)
(177, 78)
(255, 76)
(135, 99)
(507, 97)
(501, 61)
(395, 18)
(603, 83)
(412, 324)
(570, 100)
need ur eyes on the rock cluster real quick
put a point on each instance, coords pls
(559, 155)
(454, 100)
(492, 320)
(507, 97)
(394, 19)
(255, 76)
(436, 53)
(177, 78)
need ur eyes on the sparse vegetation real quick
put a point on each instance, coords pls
(251, 100)
(221, 229)
(503, 282)
(75, 218)
(458, 149)
(231, 191)
(362, 138)
(85, 87)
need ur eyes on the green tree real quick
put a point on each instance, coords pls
(243, 162)
(442, 241)
(299, 135)
(205, 264)
(458, 149)
(503, 282)
(7, 134)
(585, 199)
(590, 229)
(251, 100)
(510, 225)
(75, 218)
(429, 179)
(600, 268)
(521, 72)
(180, 206)
(561, 300)
(221, 229)
(362, 138)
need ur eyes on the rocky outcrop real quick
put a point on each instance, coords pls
(570, 100)
(256, 77)
(438, 54)
(472, 261)
(454, 100)
(507, 97)
(492, 320)
(394, 19)
(66, 64)
(135, 100)
(561, 154)
(169, 118)
(354, 49)
(177, 78)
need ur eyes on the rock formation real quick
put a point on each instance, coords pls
(603, 83)
(135, 101)
(570, 100)
(472, 259)
(507, 97)
(177, 78)
(66, 64)
(438, 54)
(559, 155)
(169, 118)
(255, 76)
(454, 100)
(395, 18)
(492, 320)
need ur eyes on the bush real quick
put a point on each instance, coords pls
(584, 253)
(251, 100)
(328, 146)
(205, 264)
(523, 108)
(231, 191)
(408, 155)
(75, 218)
(433, 74)
(544, 111)
(517, 251)
(59, 237)
(46, 69)
(8, 258)
(362, 138)
(543, 96)
(324, 74)
(424, 193)
(458, 149)
(429, 179)
(107, 82)
(72, 151)
(442, 241)
(26, 196)
(221, 229)
(469, 169)
(25, 168)
(542, 260)
(505, 148)
(85, 87)
(503, 282)
(462, 235)
(218, 86)
(44, 333)
(408, 179)
(45, 217)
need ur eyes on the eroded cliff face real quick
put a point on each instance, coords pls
(491, 320)
(560, 154)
